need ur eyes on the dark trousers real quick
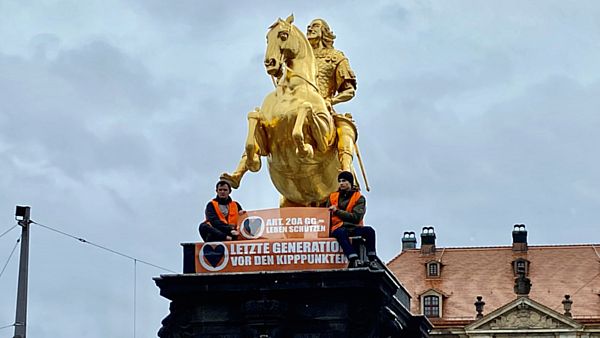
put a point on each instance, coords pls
(210, 233)
(342, 235)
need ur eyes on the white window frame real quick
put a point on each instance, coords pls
(440, 302)
(439, 269)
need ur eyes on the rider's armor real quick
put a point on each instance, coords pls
(334, 71)
(335, 76)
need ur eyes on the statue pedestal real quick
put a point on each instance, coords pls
(286, 279)
(320, 303)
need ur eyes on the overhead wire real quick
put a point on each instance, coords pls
(83, 240)
(6, 326)
(9, 230)
(134, 259)
(12, 252)
(10, 256)
(580, 288)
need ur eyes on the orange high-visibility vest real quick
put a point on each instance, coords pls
(232, 216)
(337, 222)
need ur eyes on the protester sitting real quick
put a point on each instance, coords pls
(221, 216)
(348, 207)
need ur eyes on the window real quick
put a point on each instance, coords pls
(432, 303)
(433, 269)
(431, 306)
(520, 265)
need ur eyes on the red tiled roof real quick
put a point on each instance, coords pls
(487, 271)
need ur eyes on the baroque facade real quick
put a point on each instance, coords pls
(502, 291)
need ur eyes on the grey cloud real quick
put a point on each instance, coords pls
(58, 104)
(45, 46)
(105, 77)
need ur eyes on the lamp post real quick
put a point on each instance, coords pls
(22, 215)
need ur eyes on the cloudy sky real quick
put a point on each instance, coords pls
(117, 117)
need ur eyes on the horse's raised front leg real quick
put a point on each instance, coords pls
(235, 178)
(250, 158)
(252, 151)
(260, 136)
(303, 149)
(322, 129)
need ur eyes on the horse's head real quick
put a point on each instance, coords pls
(284, 43)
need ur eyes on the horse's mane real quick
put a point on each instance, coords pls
(308, 51)
(310, 55)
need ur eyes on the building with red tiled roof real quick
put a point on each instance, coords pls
(524, 290)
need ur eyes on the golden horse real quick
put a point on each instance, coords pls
(293, 127)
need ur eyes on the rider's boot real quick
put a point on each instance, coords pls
(346, 133)
(345, 160)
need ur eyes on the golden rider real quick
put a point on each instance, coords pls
(337, 83)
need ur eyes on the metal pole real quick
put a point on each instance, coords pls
(23, 217)
(362, 167)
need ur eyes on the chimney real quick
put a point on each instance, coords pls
(428, 240)
(519, 236)
(409, 241)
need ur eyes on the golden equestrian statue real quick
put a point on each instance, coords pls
(306, 143)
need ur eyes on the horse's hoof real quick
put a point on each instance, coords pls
(306, 151)
(253, 163)
(233, 179)
(307, 106)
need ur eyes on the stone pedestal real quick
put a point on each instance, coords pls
(323, 303)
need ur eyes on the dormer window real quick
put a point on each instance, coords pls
(520, 265)
(432, 303)
(433, 269)
(431, 306)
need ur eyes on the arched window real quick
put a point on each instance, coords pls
(431, 306)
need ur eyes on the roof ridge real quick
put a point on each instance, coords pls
(534, 246)
(395, 257)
